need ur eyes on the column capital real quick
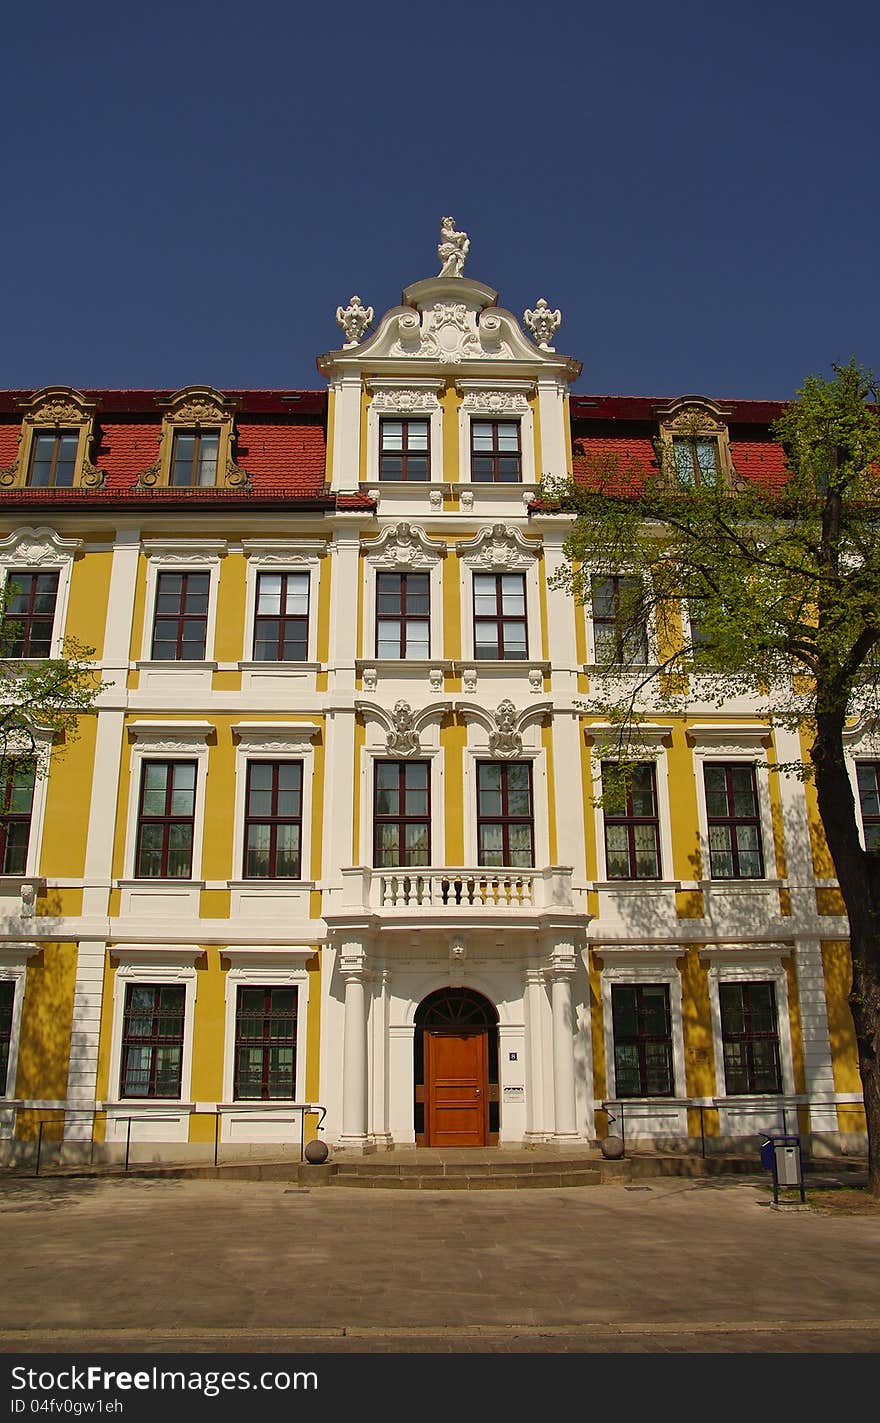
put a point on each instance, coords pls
(562, 959)
(353, 959)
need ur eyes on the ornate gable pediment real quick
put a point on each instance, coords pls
(449, 321)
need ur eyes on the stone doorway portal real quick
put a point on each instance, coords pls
(456, 1070)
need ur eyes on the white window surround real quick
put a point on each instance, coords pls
(655, 741)
(650, 624)
(733, 742)
(860, 743)
(13, 969)
(633, 965)
(500, 549)
(166, 741)
(180, 556)
(42, 550)
(172, 964)
(731, 964)
(265, 967)
(431, 751)
(281, 556)
(273, 741)
(408, 398)
(403, 548)
(487, 400)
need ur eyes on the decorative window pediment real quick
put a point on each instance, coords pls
(694, 444)
(499, 547)
(57, 431)
(196, 447)
(403, 545)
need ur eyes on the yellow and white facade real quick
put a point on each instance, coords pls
(505, 927)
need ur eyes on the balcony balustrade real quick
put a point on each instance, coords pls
(454, 891)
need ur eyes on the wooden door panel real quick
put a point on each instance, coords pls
(457, 1083)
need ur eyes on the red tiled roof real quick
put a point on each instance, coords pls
(280, 442)
(612, 440)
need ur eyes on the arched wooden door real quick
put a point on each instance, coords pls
(456, 1062)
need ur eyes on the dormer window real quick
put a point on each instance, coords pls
(53, 459)
(194, 457)
(694, 446)
(196, 443)
(57, 431)
(696, 460)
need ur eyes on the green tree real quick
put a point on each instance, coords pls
(782, 590)
(41, 698)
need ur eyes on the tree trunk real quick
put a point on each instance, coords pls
(859, 878)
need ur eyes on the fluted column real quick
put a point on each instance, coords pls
(561, 972)
(354, 1047)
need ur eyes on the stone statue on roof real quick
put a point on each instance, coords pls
(453, 248)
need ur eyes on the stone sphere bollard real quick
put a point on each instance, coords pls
(611, 1148)
(316, 1152)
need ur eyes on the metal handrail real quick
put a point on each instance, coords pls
(61, 1114)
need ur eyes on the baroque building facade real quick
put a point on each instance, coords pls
(333, 836)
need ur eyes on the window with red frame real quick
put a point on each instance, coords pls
(402, 615)
(7, 1004)
(166, 820)
(632, 833)
(53, 459)
(750, 1035)
(620, 632)
(642, 1040)
(29, 614)
(16, 809)
(265, 1043)
(496, 452)
(281, 624)
(180, 621)
(868, 774)
(404, 449)
(194, 457)
(735, 849)
(500, 630)
(402, 814)
(273, 820)
(505, 827)
(152, 1040)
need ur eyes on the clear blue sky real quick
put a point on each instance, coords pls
(192, 189)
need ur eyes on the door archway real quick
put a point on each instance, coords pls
(456, 1069)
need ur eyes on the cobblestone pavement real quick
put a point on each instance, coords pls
(202, 1266)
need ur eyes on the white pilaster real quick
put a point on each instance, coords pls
(378, 1085)
(345, 473)
(551, 409)
(560, 973)
(534, 998)
(352, 967)
(345, 557)
(85, 1034)
(818, 1068)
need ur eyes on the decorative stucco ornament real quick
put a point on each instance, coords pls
(354, 320)
(453, 249)
(506, 740)
(543, 323)
(403, 739)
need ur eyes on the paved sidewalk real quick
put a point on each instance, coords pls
(667, 1265)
